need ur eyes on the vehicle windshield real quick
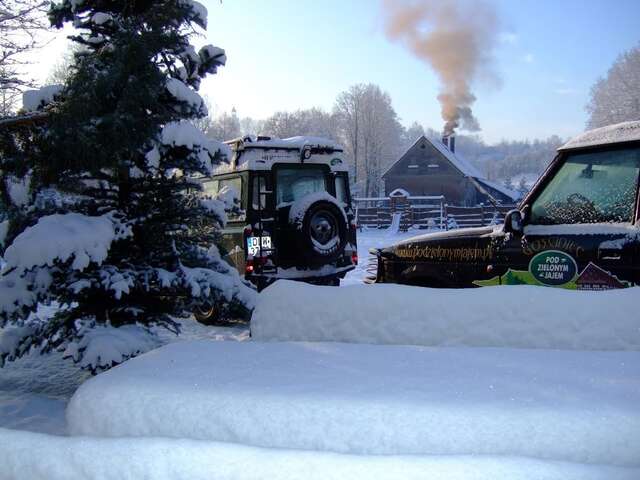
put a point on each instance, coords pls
(591, 187)
(295, 183)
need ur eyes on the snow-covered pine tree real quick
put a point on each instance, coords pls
(116, 233)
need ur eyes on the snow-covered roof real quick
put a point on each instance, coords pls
(261, 153)
(618, 133)
(459, 163)
(500, 188)
(399, 192)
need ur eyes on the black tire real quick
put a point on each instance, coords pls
(323, 234)
(206, 314)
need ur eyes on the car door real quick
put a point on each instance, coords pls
(580, 227)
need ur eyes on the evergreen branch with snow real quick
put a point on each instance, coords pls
(114, 228)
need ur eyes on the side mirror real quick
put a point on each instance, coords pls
(513, 222)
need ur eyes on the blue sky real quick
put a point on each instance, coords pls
(285, 55)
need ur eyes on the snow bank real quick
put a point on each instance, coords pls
(62, 458)
(62, 237)
(581, 407)
(509, 316)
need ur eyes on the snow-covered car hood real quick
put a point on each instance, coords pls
(451, 234)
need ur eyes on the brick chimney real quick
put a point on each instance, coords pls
(449, 141)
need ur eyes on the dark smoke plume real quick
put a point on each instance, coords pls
(456, 38)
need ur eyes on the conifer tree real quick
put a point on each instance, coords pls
(116, 233)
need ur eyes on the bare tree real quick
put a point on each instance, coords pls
(21, 24)
(204, 124)
(224, 127)
(616, 97)
(381, 137)
(347, 110)
(311, 122)
(411, 134)
(371, 132)
(251, 126)
(281, 125)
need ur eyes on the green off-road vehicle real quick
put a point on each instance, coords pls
(295, 219)
(578, 228)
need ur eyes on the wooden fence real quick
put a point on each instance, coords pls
(417, 212)
(424, 213)
(466, 217)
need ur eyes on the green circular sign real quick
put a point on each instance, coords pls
(553, 267)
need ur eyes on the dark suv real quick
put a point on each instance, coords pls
(578, 228)
(295, 219)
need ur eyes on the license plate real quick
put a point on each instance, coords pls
(253, 245)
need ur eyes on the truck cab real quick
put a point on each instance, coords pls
(578, 228)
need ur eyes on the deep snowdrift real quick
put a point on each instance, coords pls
(581, 407)
(63, 458)
(508, 316)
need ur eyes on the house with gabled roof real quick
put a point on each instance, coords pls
(595, 278)
(432, 168)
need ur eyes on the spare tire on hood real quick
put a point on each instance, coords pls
(320, 225)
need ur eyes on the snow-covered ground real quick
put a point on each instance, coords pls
(63, 458)
(35, 390)
(249, 410)
(373, 238)
(374, 400)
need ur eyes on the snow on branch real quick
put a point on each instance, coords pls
(62, 237)
(184, 134)
(101, 347)
(205, 283)
(14, 342)
(199, 12)
(181, 92)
